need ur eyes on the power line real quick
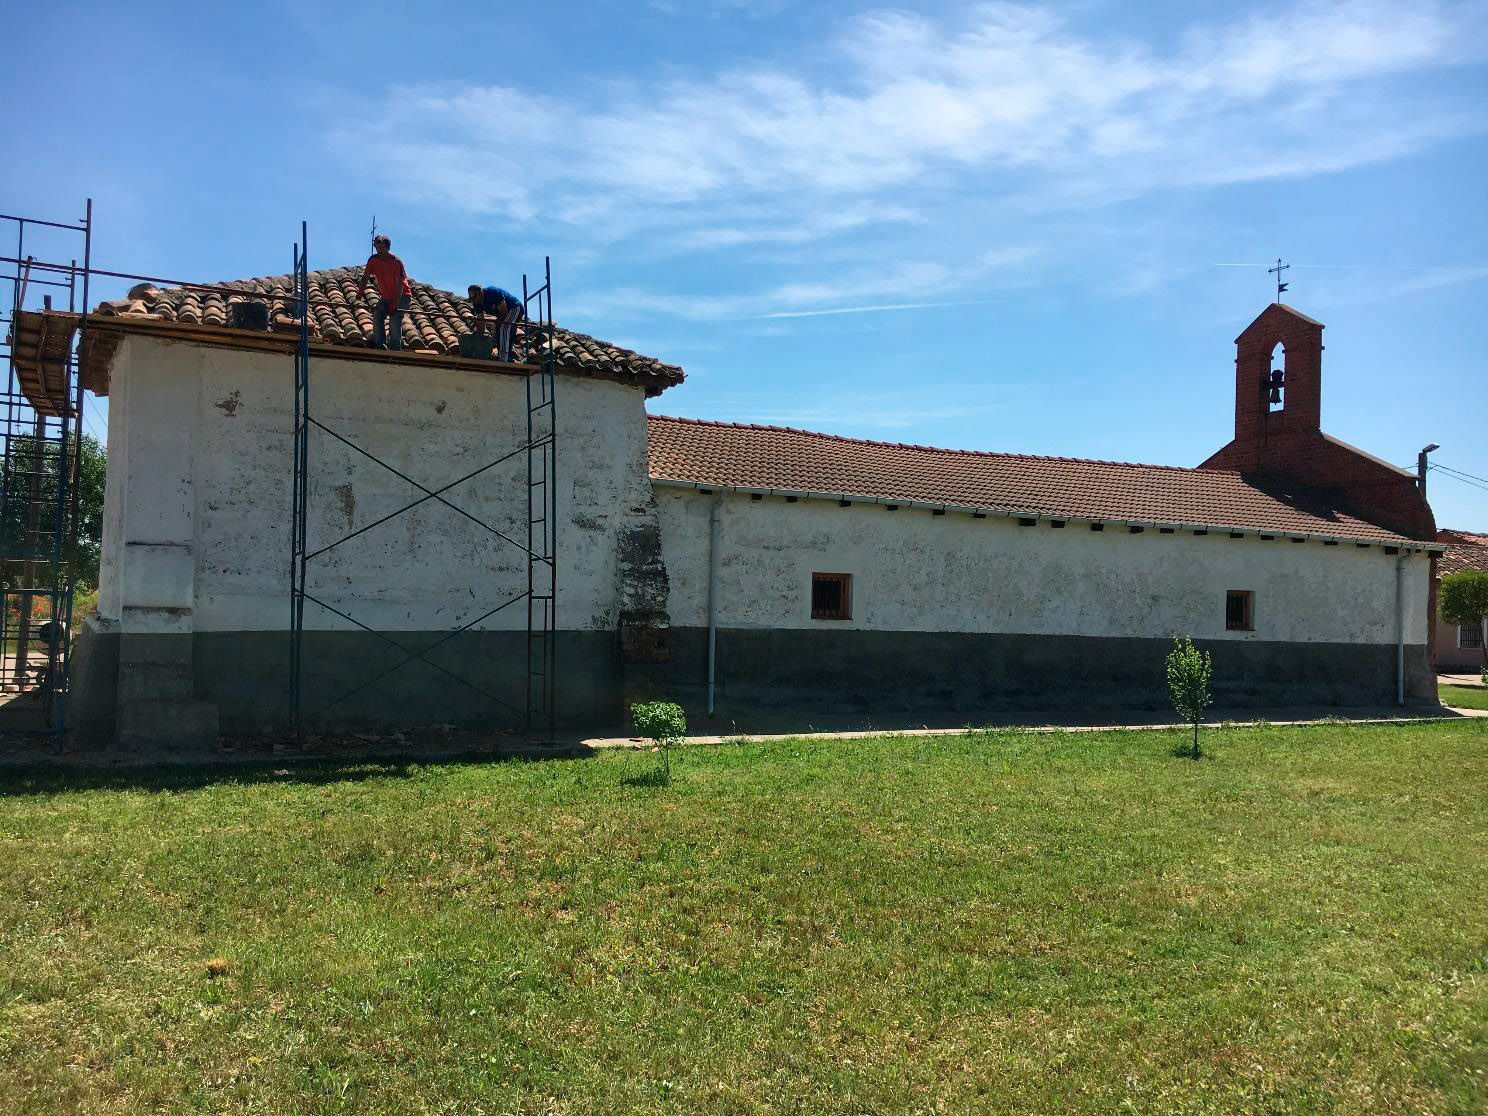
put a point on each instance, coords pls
(100, 422)
(1460, 473)
(1367, 266)
(1470, 484)
(1462, 478)
(95, 426)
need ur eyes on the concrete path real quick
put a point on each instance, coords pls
(1136, 722)
(435, 743)
(1460, 680)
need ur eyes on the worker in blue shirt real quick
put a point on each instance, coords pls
(503, 308)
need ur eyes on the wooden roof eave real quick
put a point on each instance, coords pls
(41, 345)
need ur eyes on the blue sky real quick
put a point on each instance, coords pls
(993, 226)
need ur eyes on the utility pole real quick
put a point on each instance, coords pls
(1421, 467)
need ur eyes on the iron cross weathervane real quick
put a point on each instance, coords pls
(1277, 270)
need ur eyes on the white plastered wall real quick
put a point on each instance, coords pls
(198, 510)
(914, 571)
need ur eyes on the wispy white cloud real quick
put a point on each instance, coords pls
(854, 417)
(772, 229)
(880, 309)
(1010, 90)
(908, 284)
(1436, 278)
(665, 345)
(717, 9)
(857, 412)
(1348, 284)
(889, 141)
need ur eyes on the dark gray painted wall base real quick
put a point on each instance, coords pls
(954, 678)
(246, 675)
(957, 676)
(93, 683)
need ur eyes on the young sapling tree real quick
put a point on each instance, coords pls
(664, 723)
(1189, 673)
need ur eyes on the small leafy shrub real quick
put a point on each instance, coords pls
(84, 601)
(664, 723)
(1189, 673)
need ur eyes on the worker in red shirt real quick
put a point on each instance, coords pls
(394, 295)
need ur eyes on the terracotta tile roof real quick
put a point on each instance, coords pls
(434, 324)
(1471, 538)
(1458, 557)
(782, 459)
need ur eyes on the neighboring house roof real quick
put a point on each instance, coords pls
(779, 459)
(1466, 550)
(434, 324)
(1471, 538)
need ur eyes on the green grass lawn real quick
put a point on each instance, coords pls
(1463, 697)
(1075, 922)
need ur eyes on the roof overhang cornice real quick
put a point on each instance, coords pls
(103, 333)
(1046, 514)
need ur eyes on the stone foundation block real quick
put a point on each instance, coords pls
(168, 725)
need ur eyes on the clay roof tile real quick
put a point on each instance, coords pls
(772, 457)
(1460, 557)
(435, 323)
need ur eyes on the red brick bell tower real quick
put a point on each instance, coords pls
(1278, 426)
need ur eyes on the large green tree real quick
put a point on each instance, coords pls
(27, 514)
(1463, 599)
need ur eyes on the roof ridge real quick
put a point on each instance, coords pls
(349, 269)
(1366, 454)
(439, 318)
(352, 269)
(932, 449)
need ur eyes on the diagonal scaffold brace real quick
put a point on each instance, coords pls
(536, 702)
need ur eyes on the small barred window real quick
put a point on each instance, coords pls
(831, 596)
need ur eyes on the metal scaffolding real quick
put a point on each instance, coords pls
(536, 703)
(39, 477)
(39, 509)
(542, 517)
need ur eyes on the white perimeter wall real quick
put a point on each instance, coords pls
(196, 529)
(913, 571)
(197, 524)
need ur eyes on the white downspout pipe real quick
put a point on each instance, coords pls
(1400, 630)
(712, 597)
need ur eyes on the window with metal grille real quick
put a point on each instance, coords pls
(1239, 610)
(831, 596)
(1470, 636)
